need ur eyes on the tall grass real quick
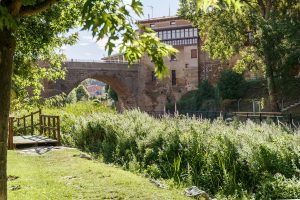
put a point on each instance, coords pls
(238, 159)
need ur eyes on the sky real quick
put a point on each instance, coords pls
(87, 48)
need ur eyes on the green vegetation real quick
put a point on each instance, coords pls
(33, 32)
(81, 93)
(205, 98)
(236, 160)
(59, 175)
(265, 35)
(231, 85)
(111, 93)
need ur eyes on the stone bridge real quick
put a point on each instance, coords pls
(123, 79)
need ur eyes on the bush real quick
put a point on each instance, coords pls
(82, 94)
(279, 187)
(112, 94)
(72, 98)
(204, 99)
(206, 92)
(231, 85)
(225, 160)
(56, 101)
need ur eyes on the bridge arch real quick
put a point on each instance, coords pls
(121, 78)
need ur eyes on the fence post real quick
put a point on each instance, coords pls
(291, 119)
(58, 130)
(31, 121)
(41, 124)
(260, 119)
(54, 126)
(11, 133)
(48, 126)
(24, 123)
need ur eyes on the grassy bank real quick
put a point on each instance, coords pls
(233, 160)
(60, 175)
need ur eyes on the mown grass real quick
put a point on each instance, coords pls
(61, 175)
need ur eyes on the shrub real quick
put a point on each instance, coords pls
(229, 160)
(204, 93)
(231, 85)
(112, 94)
(279, 187)
(82, 94)
(56, 101)
(72, 98)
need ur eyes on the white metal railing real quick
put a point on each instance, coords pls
(99, 61)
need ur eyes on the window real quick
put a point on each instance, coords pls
(177, 33)
(173, 77)
(186, 33)
(173, 34)
(194, 53)
(168, 35)
(164, 35)
(195, 32)
(173, 57)
(153, 77)
(182, 33)
(172, 23)
(152, 25)
(160, 35)
(191, 32)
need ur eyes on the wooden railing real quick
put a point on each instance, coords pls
(27, 122)
(34, 123)
(50, 126)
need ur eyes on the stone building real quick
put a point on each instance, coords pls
(187, 68)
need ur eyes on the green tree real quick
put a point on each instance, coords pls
(32, 30)
(205, 92)
(265, 33)
(231, 85)
(72, 98)
(112, 94)
(82, 94)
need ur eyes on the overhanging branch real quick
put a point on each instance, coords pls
(36, 9)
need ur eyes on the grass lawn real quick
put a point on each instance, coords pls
(61, 175)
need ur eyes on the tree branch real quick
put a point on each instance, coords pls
(36, 9)
(15, 7)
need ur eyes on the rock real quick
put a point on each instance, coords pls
(69, 177)
(84, 156)
(158, 183)
(12, 178)
(15, 187)
(196, 192)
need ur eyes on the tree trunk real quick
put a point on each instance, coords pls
(7, 49)
(272, 89)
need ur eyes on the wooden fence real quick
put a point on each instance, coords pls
(34, 124)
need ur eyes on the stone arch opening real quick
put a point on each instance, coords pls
(121, 90)
(122, 79)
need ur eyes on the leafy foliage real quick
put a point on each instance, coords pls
(113, 19)
(205, 92)
(205, 98)
(82, 94)
(264, 33)
(72, 98)
(231, 85)
(234, 160)
(40, 31)
(112, 94)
